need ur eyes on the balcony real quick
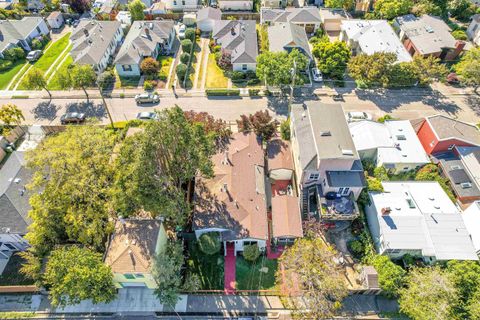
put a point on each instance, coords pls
(338, 207)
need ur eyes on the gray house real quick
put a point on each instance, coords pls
(288, 36)
(327, 165)
(306, 17)
(145, 39)
(21, 32)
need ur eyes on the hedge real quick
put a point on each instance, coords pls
(222, 92)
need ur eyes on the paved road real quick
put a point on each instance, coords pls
(405, 104)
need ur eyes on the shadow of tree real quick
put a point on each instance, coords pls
(45, 110)
(473, 102)
(91, 110)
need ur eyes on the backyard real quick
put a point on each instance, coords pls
(209, 268)
(258, 275)
(215, 76)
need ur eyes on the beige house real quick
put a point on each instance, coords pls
(132, 249)
(332, 20)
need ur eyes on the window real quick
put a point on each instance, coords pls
(450, 147)
(127, 67)
(313, 176)
(129, 276)
(174, 2)
(346, 191)
(9, 246)
(244, 67)
(340, 191)
(393, 251)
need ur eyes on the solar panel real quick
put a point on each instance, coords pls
(459, 176)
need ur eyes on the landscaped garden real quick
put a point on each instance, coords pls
(215, 76)
(209, 268)
(257, 275)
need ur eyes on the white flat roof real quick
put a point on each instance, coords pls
(422, 218)
(471, 217)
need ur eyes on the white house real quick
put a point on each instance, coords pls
(393, 144)
(125, 18)
(144, 39)
(182, 5)
(55, 20)
(372, 36)
(235, 5)
(418, 218)
(21, 32)
(94, 43)
(471, 217)
(473, 31)
(207, 17)
(238, 39)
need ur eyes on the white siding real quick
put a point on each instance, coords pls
(240, 243)
(239, 66)
(245, 5)
(180, 5)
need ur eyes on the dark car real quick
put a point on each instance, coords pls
(72, 117)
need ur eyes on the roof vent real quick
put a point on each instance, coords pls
(347, 152)
(325, 133)
(466, 185)
(17, 180)
(386, 211)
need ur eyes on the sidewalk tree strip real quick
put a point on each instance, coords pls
(258, 275)
(7, 76)
(215, 76)
(65, 55)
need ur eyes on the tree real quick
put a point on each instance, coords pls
(474, 307)
(332, 57)
(371, 69)
(35, 79)
(74, 274)
(187, 45)
(390, 275)
(10, 115)
(426, 7)
(106, 79)
(185, 57)
(73, 205)
(466, 277)
(190, 34)
(251, 252)
(275, 68)
(79, 6)
(461, 9)
(469, 68)
(389, 9)
(262, 123)
(209, 243)
(460, 34)
(430, 294)
(428, 69)
(312, 278)
(166, 272)
(374, 184)
(154, 165)
(83, 76)
(214, 127)
(136, 8)
(285, 129)
(400, 75)
(181, 71)
(343, 4)
(150, 67)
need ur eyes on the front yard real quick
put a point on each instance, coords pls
(259, 275)
(215, 76)
(54, 84)
(209, 268)
(7, 76)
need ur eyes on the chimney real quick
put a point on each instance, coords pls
(232, 31)
(459, 45)
(386, 211)
(85, 31)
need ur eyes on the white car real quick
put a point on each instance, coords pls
(181, 31)
(358, 116)
(146, 98)
(317, 75)
(34, 55)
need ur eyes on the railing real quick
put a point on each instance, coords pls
(329, 214)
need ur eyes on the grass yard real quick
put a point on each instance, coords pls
(208, 268)
(11, 276)
(215, 77)
(53, 84)
(259, 275)
(7, 76)
(129, 82)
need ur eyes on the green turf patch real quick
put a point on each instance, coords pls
(258, 275)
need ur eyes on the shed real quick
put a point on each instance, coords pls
(55, 20)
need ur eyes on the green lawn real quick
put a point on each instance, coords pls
(249, 276)
(11, 276)
(208, 268)
(53, 84)
(215, 77)
(165, 62)
(7, 76)
(66, 53)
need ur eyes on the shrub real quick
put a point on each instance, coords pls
(5, 65)
(381, 173)
(14, 54)
(149, 85)
(356, 248)
(190, 34)
(285, 129)
(187, 45)
(222, 92)
(390, 275)
(36, 44)
(216, 49)
(150, 66)
(251, 252)
(459, 34)
(162, 76)
(238, 76)
(185, 58)
(250, 74)
(218, 55)
(122, 95)
(209, 243)
(385, 118)
(106, 79)
(181, 71)
(253, 92)
(253, 82)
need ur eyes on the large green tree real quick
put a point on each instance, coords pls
(343, 4)
(390, 275)
(35, 79)
(312, 278)
(466, 277)
(78, 77)
(428, 69)
(371, 69)
(389, 9)
(430, 294)
(469, 68)
(153, 166)
(10, 115)
(136, 8)
(276, 67)
(73, 274)
(332, 57)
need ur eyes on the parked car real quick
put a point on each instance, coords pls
(146, 98)
(317, 75)
(75, 23)
(72, 117)
(147, 115)
(358, 116)
(34, 55)
(338, 97)
(181, 31)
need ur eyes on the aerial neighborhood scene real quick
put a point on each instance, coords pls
(240, 159)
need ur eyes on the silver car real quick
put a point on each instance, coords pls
(146, 98)
(147, 115)
(34, 55)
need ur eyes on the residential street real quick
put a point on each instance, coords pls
(404, 104)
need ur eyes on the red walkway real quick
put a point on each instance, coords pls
(230, 269)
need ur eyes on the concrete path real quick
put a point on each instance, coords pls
(25, 66)
(205, 67)
(55, 65)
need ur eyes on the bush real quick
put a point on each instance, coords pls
(190, 34)
(209, 243)
(218, 55)
(5, 65)
(150, 66)
(356, 248)
(253, 92)
(162, 76)
(459, 34)
(106, 79)
(149, 85)
(251, 252)
(285, 129)
(381, 173)
(222, 92)
(216, 49)
(238, 76)
(390, 275)
(250, 74)
(181, 71)
(185, 58)
(253, 82)
(122, 95)
(36, 44)
(187, 45)
(14, 54)
(385, 118)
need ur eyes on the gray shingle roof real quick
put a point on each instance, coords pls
(11, 31)
(14, 198)
(339, 179)
(139, 44)
(91, 49)
(288, 35)
(446, 128)
(239, 37)
(300, 15)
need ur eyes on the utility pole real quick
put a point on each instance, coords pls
(105, 105)
(292, 85)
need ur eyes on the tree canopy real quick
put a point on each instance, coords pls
(261, 122)
(390, 275)
(310, 271)
(78, 77)
(35, 79)
(332, 57)
(389, 9)
(10, 115)
(136, 8)
(74, 274)
(469, 68)
(343, 4)
(276, 67)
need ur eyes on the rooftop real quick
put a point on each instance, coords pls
(12, 31)
(288, 35)
(471, 217)
(286, 218)
(304, 14)
(279, 154)
(239, 37)
(448, 128)
(209, 13)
